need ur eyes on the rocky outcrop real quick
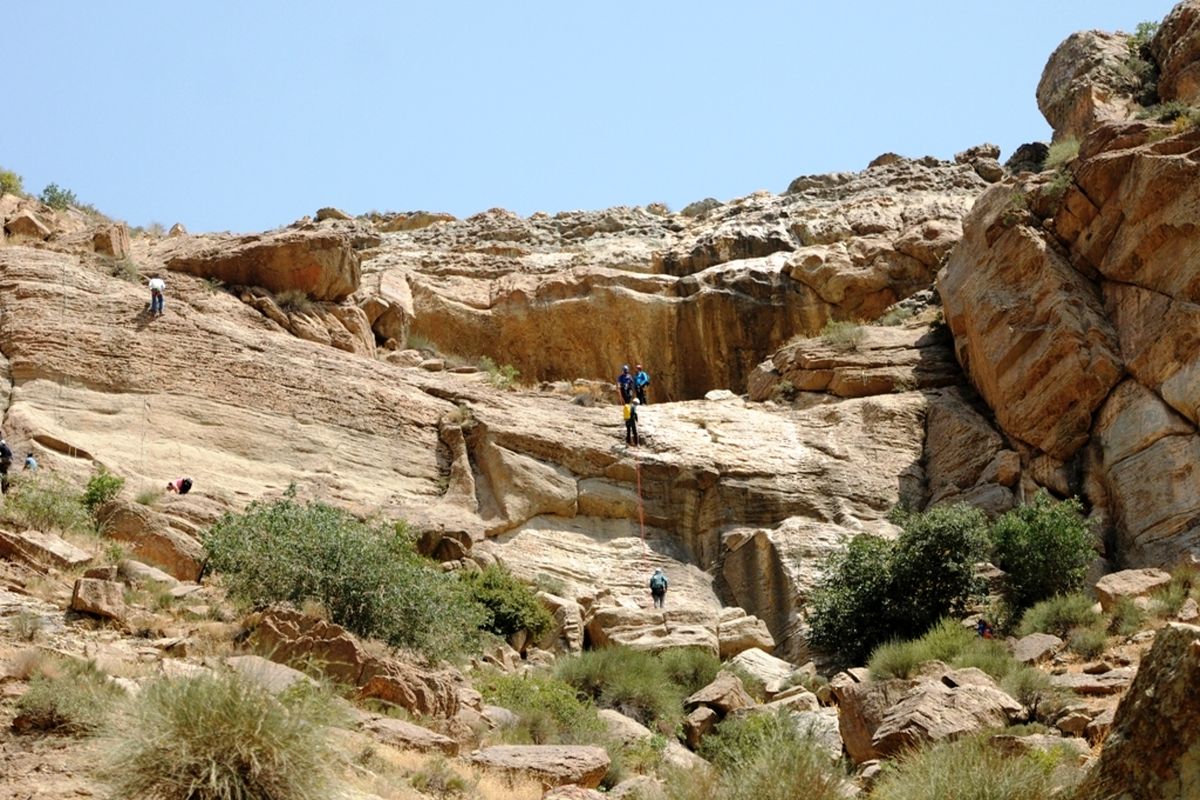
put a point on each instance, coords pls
(1176, 50)
(151, 537)
(99, 598)
(1153, 750)
(1086, 82)
(1129, 583)
(553, 765)
(319, 262)
(724, 695)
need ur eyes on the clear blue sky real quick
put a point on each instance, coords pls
(247, 115)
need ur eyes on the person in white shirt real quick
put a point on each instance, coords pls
(157, 287)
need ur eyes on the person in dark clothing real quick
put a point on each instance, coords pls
(658, 588)
(625, 384)
(631, 431)
(640, 381)
(5, 464)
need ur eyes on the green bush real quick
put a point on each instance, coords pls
(46, 502)
(973, 769)
(57, 197)
(1127, 617)
(550, 710)
(1044, 547)
(11, 183)
(1031, 688)
(689, 668)
(842, 334)
(895, 660)
(1061, 153)
(1088, 642)
(760, 757)
(948, 642)
(1059, 615)
(502, 376)
(877, 590)
(101, 487)
(438, 779)
(294, 300)
(508, 605)
(67, 696)
(632, 682)
(220, 737)
(368, 576)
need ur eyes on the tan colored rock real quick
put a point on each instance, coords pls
(553, 765)
(319, 263)
(1111, 682)
(329, 212)
(724, 695)
(960, 445)
(1153, 751)
(698, 724)
(1085, 82)
(1129, 583)
(933, 711)
(99, 598)
(862, 708)
(571, 792)
(566, 635)
(112, 240)
(738, 632)
(1036, 647)
(407, 736)
(275, 678)
(151, 537)
(1189, 611)
(26, 225)
(42, 549)
(1097, 730)
(772, 672)
(1041, 743)
(1045, 383)
(653, 629)
(1176, 49)
(135, 572)
(177, 230)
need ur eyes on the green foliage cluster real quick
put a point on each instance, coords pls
(101, 487)
(842, 334)
(1061, 153)
(294, 301)
(1044, 547)
(949, 642)
(68, 696)
(973, 769)
(550, 710)
(57, 197)
(438, 779)
(368, 576)
(879, 590)
(44, 501)
(220, 737)
(502, 376)
(645, 686)
(760, 757)
(509, 606)
(11, 183)
(1059, 616)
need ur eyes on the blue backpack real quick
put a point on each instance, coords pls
(658, 583)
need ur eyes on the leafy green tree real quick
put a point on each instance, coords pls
(1044, 547)
(11, 183)
(57, 197)
(508, 605)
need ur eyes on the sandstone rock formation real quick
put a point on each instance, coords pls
(1129, 583)
(1176, 49)
(1153, 752)
(554, 765)
(1085, 83)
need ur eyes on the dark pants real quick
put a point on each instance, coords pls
(659, 597)
(156, 303)
(626, 393)
(641, 393)
(631, 434)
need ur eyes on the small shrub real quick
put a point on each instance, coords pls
(26, 625)
(783, 392)
(57, 197)
(1127, 617)
(949, 642)
(1088, 642)
(1058, 185)
(1059, 615)
(689, 668)
(125, 269)
(369, 576)
(502, 376)
(46, 502)
(438, 779)
(101, 487)
(416, 341)
(508, 605)
(989, 655)
(220, 737)
(294, 301)
(71, 697)
(11, 183)
(148, 496)
(842, 334)
(214, 285)
(895, 660)
(897, 316)
(970, 768)
(1061, 153)
(1044, 547)
(550, 584)
(1167, 112)
(550, 710)
(632, 682)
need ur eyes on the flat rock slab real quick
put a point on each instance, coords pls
(99, 598)
(275, 678)
(407, 736)
(1129, 583)
(42, 549)
(553, 765)
(1036, 647)
(1111, 682)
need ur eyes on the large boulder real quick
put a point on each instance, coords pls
(862, 708)
(151, 537)
(724, 695)
(772, 672)
(41, 549)
(320, 262)
(1176, 49)
(1129, 583)
(27, 225)
(1153, 750)
(738, 632)
(1085, 82)
(553, 765)
(99, 598)
(407, 736)
(944, 709)
(653, 629)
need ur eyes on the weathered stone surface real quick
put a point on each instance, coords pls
(319, 262)
(773, 672)
(329, 212)
(724, 695)
(1176, 49)
(1129, 583)
(553, 765)
(407, 736)
(1085, 82)
(273, 677)
(151, 537)
(112, 240)
(26, 224)
(99, 598)
(698, 724)
(1036, 647)
(42, 549)
(1045, 374)
(1153, 751)
(1041, 743)
(1111, 682)
(135, 572)
(566, 635)
(177, 230)
(653, 629)
(862, 707)
(933, 711)
(738, 632)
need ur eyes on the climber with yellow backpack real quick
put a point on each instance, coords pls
(629, 410)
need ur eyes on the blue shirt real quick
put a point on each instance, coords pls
(642, 378)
